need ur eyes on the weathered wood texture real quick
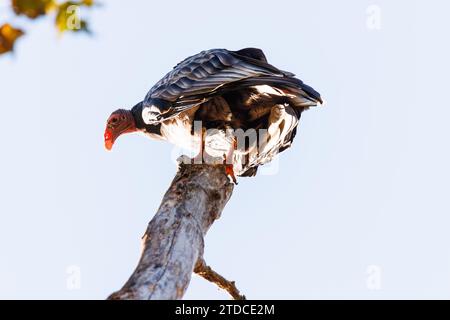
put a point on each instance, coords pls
(173, 242)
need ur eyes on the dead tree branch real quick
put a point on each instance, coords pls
(209, 274)
(173, 242)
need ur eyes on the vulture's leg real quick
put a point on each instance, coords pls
(276, 118)
(282, 121)
(198, 159)
(228, 161)
(275, 128)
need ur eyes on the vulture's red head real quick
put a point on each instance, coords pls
(119, 122)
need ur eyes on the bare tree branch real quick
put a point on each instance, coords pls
(209, 274)
(173, 241)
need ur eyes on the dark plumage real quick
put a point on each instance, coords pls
(227, 90)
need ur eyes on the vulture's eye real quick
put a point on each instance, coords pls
(123, 117)
(114, 120)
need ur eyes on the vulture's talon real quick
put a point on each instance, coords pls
(230, 173)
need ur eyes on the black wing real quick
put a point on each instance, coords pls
(209, 70)
(197, 78)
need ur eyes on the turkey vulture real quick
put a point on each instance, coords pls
(246, 110)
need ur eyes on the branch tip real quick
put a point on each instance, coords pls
(206, 272)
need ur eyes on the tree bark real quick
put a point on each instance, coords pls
(173, 242)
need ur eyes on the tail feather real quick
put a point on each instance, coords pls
(251, 172)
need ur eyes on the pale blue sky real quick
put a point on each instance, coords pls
(365, 183)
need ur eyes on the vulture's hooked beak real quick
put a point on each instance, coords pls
(109, 139)
(121, 121)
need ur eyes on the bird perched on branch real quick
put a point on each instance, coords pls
(229, 106)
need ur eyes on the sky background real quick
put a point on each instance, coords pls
(357, 208)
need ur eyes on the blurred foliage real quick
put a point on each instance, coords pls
(66, 14)
(8, 35)
(32, 8)
(68, 17)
